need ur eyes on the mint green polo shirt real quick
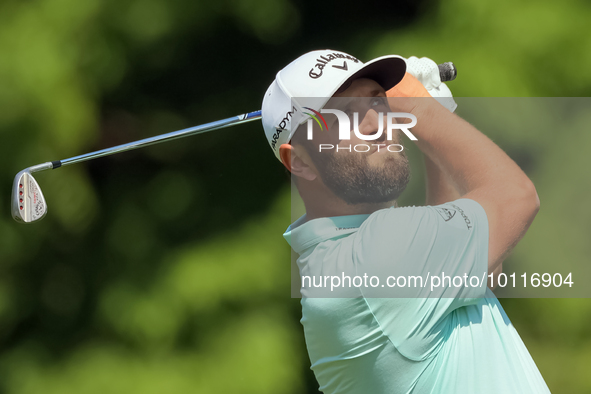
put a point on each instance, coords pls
(377, 339)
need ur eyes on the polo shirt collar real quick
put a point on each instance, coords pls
(303, 234)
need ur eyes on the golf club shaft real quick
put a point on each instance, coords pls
(219, 124)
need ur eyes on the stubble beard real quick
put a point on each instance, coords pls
(353, 179)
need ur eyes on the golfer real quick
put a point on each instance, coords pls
(392, 335)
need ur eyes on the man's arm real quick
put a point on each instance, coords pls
(439, 187)
(439, 191)
(478, 169)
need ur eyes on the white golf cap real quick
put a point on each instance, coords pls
(318, 74)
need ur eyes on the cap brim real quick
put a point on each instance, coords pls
(385, 70)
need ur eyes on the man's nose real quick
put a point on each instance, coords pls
(371, 123)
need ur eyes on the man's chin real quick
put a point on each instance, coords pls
(376, 178)
(382, 189)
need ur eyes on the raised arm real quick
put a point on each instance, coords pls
(477, 168)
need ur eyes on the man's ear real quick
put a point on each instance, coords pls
(296, 162)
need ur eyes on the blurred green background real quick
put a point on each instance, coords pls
(164, 270)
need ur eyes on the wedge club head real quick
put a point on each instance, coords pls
(28, 203)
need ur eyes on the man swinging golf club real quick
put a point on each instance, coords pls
(398, 338)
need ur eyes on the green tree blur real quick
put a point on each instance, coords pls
(164, 270)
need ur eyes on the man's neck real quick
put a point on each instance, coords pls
(340, 208)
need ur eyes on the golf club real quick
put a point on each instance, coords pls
(28, 203)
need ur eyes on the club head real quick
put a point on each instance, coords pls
(28, 203)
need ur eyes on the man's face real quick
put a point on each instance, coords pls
(377, 175)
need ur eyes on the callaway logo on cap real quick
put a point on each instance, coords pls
(317, 75)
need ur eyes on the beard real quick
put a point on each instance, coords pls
(353, 179)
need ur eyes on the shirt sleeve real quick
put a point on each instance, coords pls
(443, 248)
(460, 250)
(439, 257)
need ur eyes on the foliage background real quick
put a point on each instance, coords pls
(164, 270)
